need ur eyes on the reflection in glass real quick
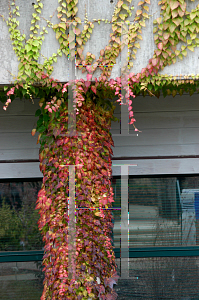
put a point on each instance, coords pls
(18, 217)
(162, 211)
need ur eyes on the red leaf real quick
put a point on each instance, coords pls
(160, 46)
(87, 84)
(93, 88)
(154, 61)
(89, 76)
(60, 142)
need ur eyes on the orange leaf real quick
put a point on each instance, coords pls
(138, 12)
(33, 132)
(93, 88)
(102, 52)
(38, 138)
(120, 3)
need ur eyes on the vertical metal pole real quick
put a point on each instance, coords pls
(72, 225)
(124, 223)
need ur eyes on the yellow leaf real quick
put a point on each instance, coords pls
(62, 25)
(58, 34)
(122, 16)
(145, 15)
(137, 45)
(97, 214)
(146, 7)
(142, 23)
(91, 295)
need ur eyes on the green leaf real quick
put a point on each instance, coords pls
(20, 66)
(28, 72)
(35, 43)
(41, 129)
(172, 27)
(38, 113)
(28, 47)
(192, 15)
(46, 118)
(39, 122)
(186, 22)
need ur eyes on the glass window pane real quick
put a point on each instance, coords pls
(160, 278)
(163, 211)
(21, 281)
(18, 216)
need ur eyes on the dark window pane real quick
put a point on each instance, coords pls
(21, 281)
(18, 216)
(160, 278)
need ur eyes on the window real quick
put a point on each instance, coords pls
(18, 217)
(163, 211)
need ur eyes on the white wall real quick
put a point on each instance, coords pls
(170, 127)
(102, 9)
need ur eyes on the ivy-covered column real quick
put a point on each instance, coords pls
(93, 258)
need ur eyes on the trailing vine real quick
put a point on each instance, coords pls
(175, 33)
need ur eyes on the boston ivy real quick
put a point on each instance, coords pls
(91, 153)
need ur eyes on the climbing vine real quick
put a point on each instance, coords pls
(175, 33)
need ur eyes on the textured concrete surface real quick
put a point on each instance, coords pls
(99, 39)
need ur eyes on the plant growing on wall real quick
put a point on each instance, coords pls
(86, 253)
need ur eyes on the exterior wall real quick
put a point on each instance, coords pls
(170, 127)
(102, 9)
